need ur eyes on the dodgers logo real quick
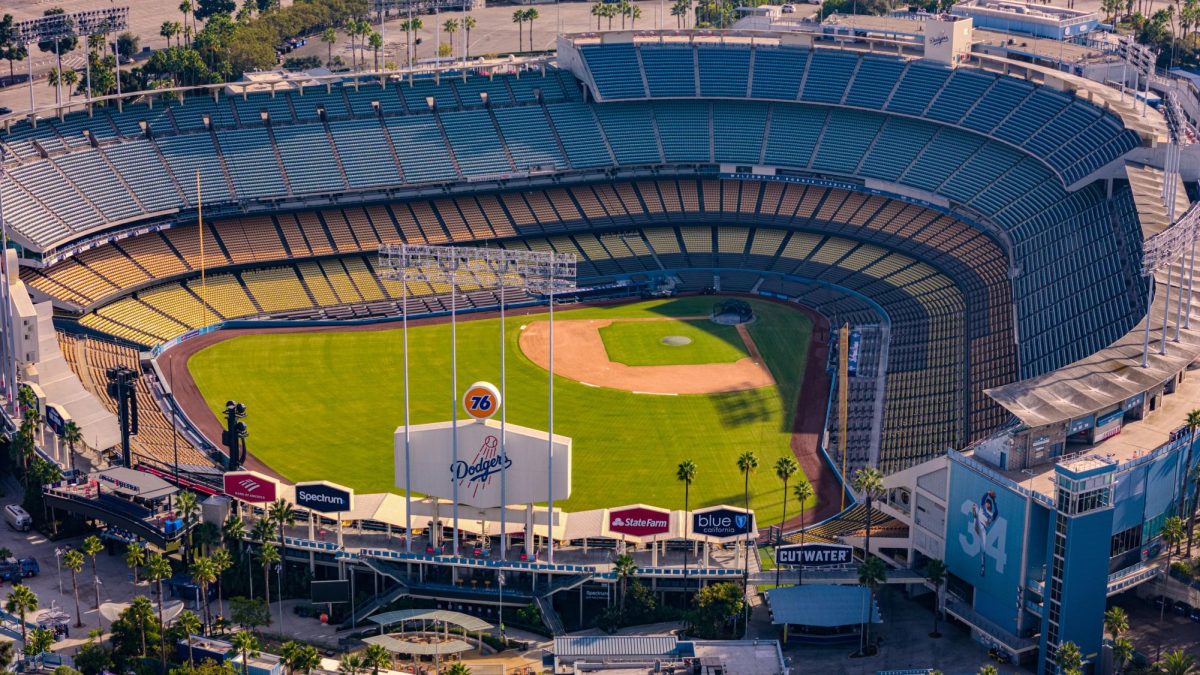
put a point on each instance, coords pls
(986, 530)
(487, 463)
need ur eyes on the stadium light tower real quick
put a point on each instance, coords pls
(122, 386)
(234, 436)
(537, 272)
(58, 26)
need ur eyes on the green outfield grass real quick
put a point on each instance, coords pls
(639, 343)
(325, 406)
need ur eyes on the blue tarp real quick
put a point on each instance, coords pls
(825, 606)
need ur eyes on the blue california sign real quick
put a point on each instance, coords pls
(723, 522)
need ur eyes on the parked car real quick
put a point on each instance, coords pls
(17, 518)
(1182, 608)
(788, 9)
(1194, 615)
(4, 110)
(13, 569)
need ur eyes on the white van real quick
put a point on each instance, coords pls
(17, 518)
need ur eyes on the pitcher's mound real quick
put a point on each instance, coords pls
(676, 341)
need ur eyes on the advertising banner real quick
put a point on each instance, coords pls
(814, 555)
(324, 497)
(474, 476)
(251, 486)
(639, 521)
(722, 521)
(853, 352)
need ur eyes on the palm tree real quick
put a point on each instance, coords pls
(329, 37)
(189, 625)
(135, 557)
(686, 472)
(157, 569)
(935, 573)
(376, 42)
(1193, 426)
(21, 601)
(597, 11)
(233, 530)
(635, 13)
(69, 79)
(518, 17)
(1116, 622)
(351, 664)
(871, 573)
(186, 8)
(989, 669)
(73, 560)
(1172, 536)
(289, 652)
(167, 30)
(1122, 650)
(307, 659)
(141, 612)
(785, 468)
(204, 573)
(468, 24)
(262, 530)
(869, 483)
(189, 508)
(376, 658)
(1195, 476)
(283, 515)
(92, 546)
(269, 556)
(450, 26)
(531, 15)
(221, 561)
(802, 491)
(458, 668)
(1069, 658)
(624, 567)
(71, 434)
(245, 642)
(747, 463)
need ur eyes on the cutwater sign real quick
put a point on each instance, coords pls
(324, 497)
(722, 522)
(813, 555)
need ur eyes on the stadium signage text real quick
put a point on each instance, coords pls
(724, 522)
(324, 497)
(250, 486)
(813, 555)
(482, 469)
(119, 484)
(638, 521)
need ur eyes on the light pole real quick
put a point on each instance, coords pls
(58, 554)
(279, 592)
(500, 583)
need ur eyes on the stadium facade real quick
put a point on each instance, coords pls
(987, 217)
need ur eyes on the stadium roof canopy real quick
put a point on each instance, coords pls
(464, 621)
(824, 606)
(615, 645)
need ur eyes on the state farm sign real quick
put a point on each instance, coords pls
(251, 486)
(639, 521)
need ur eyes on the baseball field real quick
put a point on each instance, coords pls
(325, 405)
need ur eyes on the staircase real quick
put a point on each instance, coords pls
(549, 616)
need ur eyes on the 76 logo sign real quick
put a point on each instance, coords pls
(481, 400)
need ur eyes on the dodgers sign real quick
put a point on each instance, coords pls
(722, 522)
(324, 497)
(814, 555)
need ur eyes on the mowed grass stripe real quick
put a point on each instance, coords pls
(640, 343)
(325, 406)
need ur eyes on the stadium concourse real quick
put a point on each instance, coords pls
(979, 222)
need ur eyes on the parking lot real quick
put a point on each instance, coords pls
(1150, 634)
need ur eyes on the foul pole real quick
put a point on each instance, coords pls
(843, 397)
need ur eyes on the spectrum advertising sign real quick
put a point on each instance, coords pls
(639, 521)
(324, 497)
(473, 478)
(251, 486)
(722, 521)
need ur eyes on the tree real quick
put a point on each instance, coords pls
(451, 27)
(1172, 536)
(329, 37)
(989, 669)
(185, 7)
(935, 573)
(207, 8)
(189, 508)
(468, 24)
(802, 491)
(69, 79)
(785, 468)
(269, 556)
(168, 30)
(531, 15)
(91, 547)
(597, 11)
(233, 530)
(1179, 662)
(262, 530)
(1111, 8)
(302, 658)
(128, 44)
(62, 45)
(624, 567)
(204, 573)
(686, 473)
(1116, 622)
(871, 573)
(458, 668)
(747, 464)
(221, 561)
(189, 624)
(376, 42)
(1122, 650)
(377, 658)
(245, 642)
(11, 49)
(717, 606)
(869, 483)
(249, 612)
(40, 642)
(158, 568)
(141, 613)
(73, 560)
(206, 535)
(518, 17)
(635, 13)
(1069, 658)
(283, 514)
(71, 433)
(93, 659)
(135, 557)
(21, 601)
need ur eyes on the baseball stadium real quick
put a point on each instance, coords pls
(950, 265)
